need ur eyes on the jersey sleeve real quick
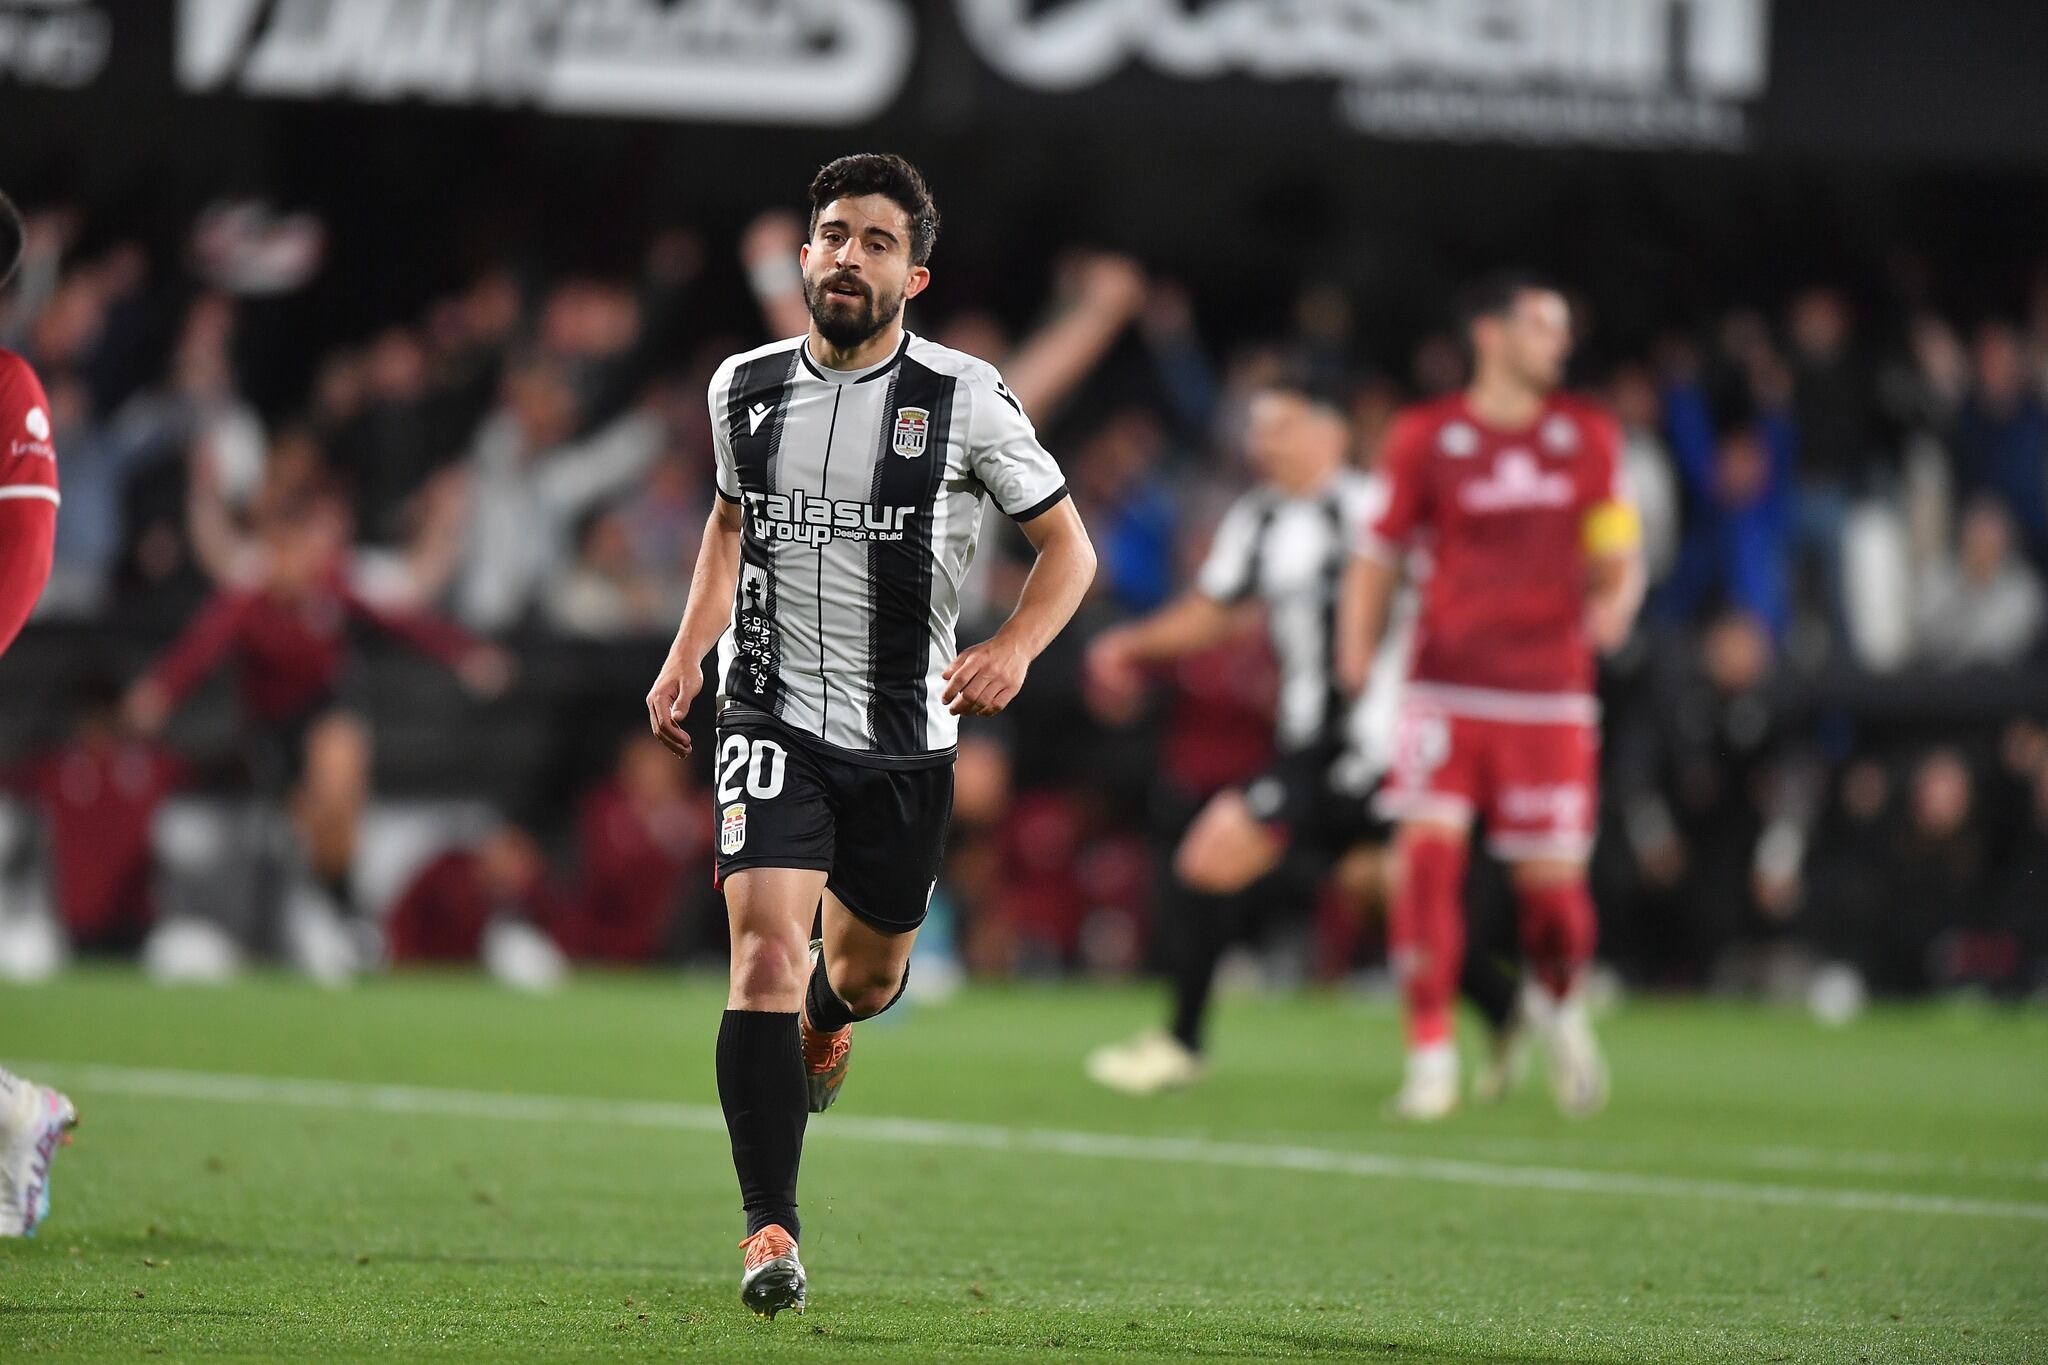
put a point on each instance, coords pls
(718, 400)
(1403, 502)
(1230, 573)
(28, 534)
(1003, 452)
(28, 455)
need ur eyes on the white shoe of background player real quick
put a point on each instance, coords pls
(1429, 1090)
(1146, 1065)
(1578, 1071)
(34, 1122)
(1507, 1058)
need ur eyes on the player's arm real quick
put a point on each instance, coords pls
(1107, 292)
(1363, 605)
(705, 617)
(1206, 615)
(1613, 538)
(191, 657)
(1366, 598)
(483, 668)
(984, 678)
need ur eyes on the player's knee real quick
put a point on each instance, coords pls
(867, 988)
(1220, 859)
(1546, 876)
(768, 970)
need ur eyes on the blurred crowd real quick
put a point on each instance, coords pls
(1824, 744)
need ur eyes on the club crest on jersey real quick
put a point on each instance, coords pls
(1458, 440)
(1559, 435)
(732, 829)
(911, 426)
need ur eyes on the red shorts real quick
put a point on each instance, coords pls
(1530, 765)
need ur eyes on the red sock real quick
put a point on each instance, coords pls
(1426, 932)
(1558, 932)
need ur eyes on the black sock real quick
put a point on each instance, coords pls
(822, 1005)
(1491, 984)
(1197, 930)
(827, 1012)
(761, 1087)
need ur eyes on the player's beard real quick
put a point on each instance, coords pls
(842, 322)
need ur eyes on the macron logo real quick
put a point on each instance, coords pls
(755, 416)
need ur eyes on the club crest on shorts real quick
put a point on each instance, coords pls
(732, 829)
(911, 426)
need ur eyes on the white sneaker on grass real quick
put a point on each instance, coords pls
(1429, 1088)
(34, 1122)
(1578, 1071)
(1147, 1064)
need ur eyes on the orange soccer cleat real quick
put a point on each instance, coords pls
(773, 1278)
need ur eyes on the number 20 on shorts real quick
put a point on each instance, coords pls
(763, 761)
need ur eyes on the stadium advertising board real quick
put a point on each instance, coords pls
(1870, 78)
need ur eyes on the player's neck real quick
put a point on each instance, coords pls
(873, 351)
(1505, 404)
(1308, 482)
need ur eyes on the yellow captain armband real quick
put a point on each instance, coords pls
(1613, 528)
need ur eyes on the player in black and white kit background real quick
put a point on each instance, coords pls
(852, 466)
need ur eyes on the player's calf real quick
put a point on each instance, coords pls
(829, 1014)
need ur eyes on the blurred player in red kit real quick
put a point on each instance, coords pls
(288, 634)
(34, 1119)
(1513, 491)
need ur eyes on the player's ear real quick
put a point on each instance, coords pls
(803, 257)
(920, 276)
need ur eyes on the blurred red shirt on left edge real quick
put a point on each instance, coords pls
(28, 494)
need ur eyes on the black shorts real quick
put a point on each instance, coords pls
(787, 801)
(1318, 800)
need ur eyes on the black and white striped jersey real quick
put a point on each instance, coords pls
(861, 496)
(1291, 553)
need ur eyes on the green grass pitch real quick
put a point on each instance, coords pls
(468, 1174)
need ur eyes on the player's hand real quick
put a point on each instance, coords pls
(774, 236)
(668, 703)
(146, 707)
(1354, 663)
(1115, 683)
(486, 671)
(1610, 620)
(984, 678)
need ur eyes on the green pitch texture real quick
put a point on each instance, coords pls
(278, 1228)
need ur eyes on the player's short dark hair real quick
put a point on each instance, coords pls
(1495, 295)
(890, 176)
(13, 238)
(1312, 386)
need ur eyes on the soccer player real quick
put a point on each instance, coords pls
(1285, 544)
(34, 1119)
(852, 462)
(1515, 490)
(287, 631)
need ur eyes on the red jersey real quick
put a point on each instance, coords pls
(1502, 516)
(99, 799)
(290, 651)
(28, 493)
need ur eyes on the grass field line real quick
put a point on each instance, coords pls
(450, 1103)
(1836, 1160)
